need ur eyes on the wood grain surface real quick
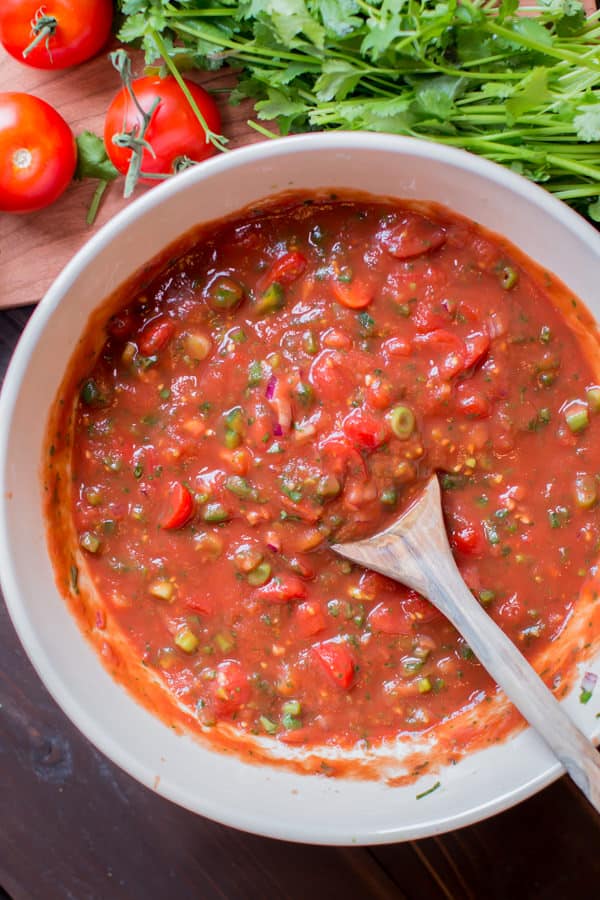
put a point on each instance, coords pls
(34, 248)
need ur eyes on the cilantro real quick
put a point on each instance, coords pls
(476, 75)
(93, 162)
(429, 790)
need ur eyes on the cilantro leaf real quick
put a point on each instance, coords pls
(521, 90)
(531, 92)
(339, 16)
(92, 159)
(587, 123)
(338, 79)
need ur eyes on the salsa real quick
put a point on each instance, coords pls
(288, 383)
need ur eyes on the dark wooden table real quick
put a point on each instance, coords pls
(74, 827)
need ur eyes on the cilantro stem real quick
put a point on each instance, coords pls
(217, 140)
(172, 13)
(547, 49)
(524, 92)
(261, 129)
(95, 204)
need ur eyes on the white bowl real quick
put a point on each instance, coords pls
(260, 799)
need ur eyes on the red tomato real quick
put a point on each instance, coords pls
(37, 153)
(331, 375)
(466, 537)
(54, 34)
(180, 507)
(230, 687)
(174, 131)
(390, 618)
(476, 345)
(379, 393)
(155, 336)
(355, 294)
(286, 269)
(448, 348)
(281, 589)
(365, 429)
(413, 236)
(310, 618)
(472, 402)
(337, 661)
(339, 454)
(418, 609)
(121, 325)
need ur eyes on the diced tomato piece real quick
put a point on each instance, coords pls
(426, 318)
(231, 689)
(331, 375)
(309, 618)
(180, 507)
(397, 346)
(304, 509)
(339, 454)
(281, 589)
(286, 269)
(472, 402)
(337, 661)
(413, 236)
(239, 460)
(447, 346)
(202, 605)
(441, 337)
(294, 736)
(365, 429)
(155, 336)
(355, 294)
(466, 537)
(476, 345)
(379, 393)
(121, 325)
(390, 618)
(418, 609)
(337, 340)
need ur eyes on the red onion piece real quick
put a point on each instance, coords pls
(589, 682)
(273, 548)
(277, 429)
(271, 385)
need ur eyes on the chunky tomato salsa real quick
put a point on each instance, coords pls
(287, 384)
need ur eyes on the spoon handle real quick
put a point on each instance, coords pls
(511, 671)
(415, 551)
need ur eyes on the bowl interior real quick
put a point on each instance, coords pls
(256, 798)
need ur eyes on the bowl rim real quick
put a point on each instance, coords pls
(256, 822)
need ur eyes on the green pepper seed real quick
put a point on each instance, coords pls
(270, 300)
(577, 419)
(508, 277)
(225, 293)
(89, 541)
(260, 575)
(402, 421)
(215, 512)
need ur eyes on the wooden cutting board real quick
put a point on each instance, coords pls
(34, 248)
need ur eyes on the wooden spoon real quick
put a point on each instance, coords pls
(415, 551)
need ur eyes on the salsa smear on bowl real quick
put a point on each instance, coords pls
(288, 383)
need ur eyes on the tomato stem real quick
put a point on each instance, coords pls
(43, 28)
(134, 139)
